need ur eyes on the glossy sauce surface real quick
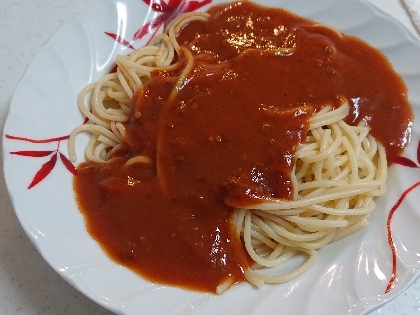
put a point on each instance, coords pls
(228, 137)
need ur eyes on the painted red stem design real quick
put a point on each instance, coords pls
(407, 163)
(48, 166)
(391, 242)
(168, 11)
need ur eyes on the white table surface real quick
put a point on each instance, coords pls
(28, 285)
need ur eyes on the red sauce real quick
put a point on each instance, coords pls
(228, 138)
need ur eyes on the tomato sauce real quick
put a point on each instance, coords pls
(229, 137)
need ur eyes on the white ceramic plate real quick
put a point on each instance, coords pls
(351, 275)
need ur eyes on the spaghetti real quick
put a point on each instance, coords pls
(337, 171)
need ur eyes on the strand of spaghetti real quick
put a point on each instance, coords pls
(370, 146)
(315, 224)
(86, 112)
(142, 159)
(143, 60)
(183, 77)
(107, 141)
(99, 150)
(344, 212)
(329, 118)
(247, 235)
(90, 149)
(278, 204)
(122, 75)
(259, 279)
(239, 217)
(326, 28)
(133, 80)
(115, 91)
(323, 184)
(135, 73)
(94, 129)
(292, 230)
(327, 152)
(98, 97)
(118, 129)
(317, 244)
(276, 224)
(265, 230)
(166, 52)
(360, 224)
(353, 159)
(137, 66)
(279, 250)
(222, 287)
(262, 230)
(352, 136)
(258, 238)
(177, 23)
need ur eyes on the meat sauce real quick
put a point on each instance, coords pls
(228, 137)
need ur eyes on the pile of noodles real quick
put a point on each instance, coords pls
(338, 172)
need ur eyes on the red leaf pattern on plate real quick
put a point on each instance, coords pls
(151, 25)
(35, 140)
(405, 162)
(169, 10)
(418, 152)
(114, 69)
(119, 39)
(43, 172)
(32, 153)
(69, 165)
(49, 165)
